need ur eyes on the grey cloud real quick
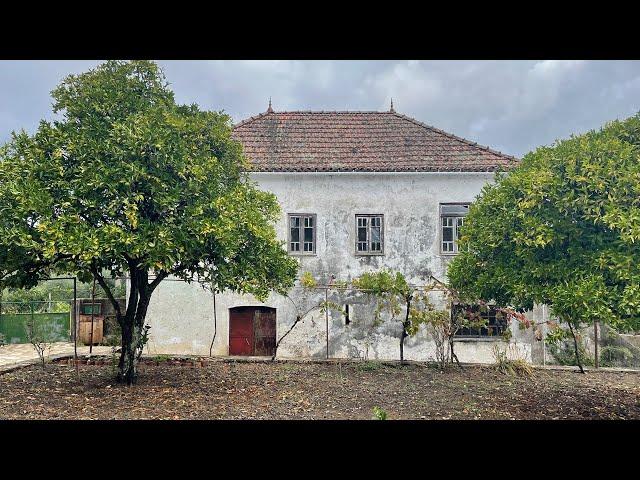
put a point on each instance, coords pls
(512, 106)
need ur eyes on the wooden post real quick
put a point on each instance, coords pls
(595, 339)
(75, 324)
(93, 306)
(326, 316)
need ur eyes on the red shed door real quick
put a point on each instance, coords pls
(252, 331)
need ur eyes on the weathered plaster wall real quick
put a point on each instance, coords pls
(181, 315)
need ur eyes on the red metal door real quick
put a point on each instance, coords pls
(264, 331)
(241, 331)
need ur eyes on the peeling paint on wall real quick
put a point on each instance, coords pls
(181, 315)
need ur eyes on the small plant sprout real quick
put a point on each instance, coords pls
(379, 413)
(38, 337)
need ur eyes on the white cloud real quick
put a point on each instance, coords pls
(512, 106)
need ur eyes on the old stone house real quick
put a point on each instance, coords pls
(359, 191)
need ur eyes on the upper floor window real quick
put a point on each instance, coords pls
(302, 233)
(451, 219)
(369, 234)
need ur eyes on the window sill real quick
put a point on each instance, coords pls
(365, 254)
(297, 254)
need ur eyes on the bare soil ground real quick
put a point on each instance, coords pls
(291, 390)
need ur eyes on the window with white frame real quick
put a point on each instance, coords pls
(451, 219)
(302, 233)
(369, 234)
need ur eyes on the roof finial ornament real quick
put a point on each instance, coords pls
(391, 109)
(269, 110)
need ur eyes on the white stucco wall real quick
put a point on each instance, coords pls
(181, 315)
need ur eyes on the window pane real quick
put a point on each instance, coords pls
(459, 224)
(308, 234)
(447, 234)
(294, 234)
(376, 240)
(362, 234)
(375, 234)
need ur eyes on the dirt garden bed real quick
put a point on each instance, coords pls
(199, 389)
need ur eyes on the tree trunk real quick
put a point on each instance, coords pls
(453, 353)
(132, 320)
(132, 325)
(126, 365)
(575, 346)
(405, 326)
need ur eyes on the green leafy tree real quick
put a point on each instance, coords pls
(128, 182)
(563, 229)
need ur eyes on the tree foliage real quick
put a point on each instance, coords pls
(130, 183)
(563, 229)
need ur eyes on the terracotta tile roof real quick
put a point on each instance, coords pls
(358, 141)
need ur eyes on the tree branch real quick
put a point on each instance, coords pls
(159, 277)
(105, 287)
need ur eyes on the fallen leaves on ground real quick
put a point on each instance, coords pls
(287, 390)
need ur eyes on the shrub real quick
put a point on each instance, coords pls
(614, 356)
(112, 332)
(518, 367)
(379, 414)
(369, 366)
(564, 353)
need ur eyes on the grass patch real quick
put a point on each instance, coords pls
(369, 366)
(161, 358)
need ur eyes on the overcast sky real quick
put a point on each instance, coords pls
(512, 106)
